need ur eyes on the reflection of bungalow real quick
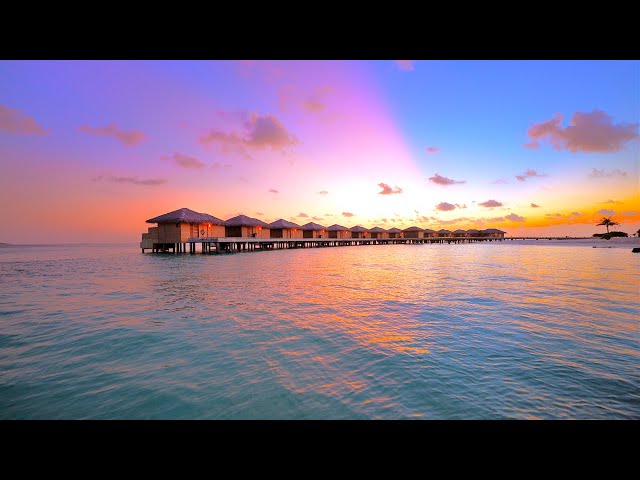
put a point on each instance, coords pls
(358, 232)
(472, 232)
(428, 233)
(377, 232)
(313, 230)
(459, 233)
(284, 229)
(243, 226)
(444, 233)
(181, 225)
(394, 232)
(493, 233)
(413, 232)
(338, 231)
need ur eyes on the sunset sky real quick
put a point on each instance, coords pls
(90, 150)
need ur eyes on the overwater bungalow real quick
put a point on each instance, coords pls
(284, 229)
(413, 232)
(313, 230)
(428, 233)
(246, 227)
(359, 232)
(394, 232)
(338, 231)
(459, 233)
(493, 233)
(377, 232)
(472, 232)
(444, 233)
(177, 227)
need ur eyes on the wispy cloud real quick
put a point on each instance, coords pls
(445, 207)
(14, 121)
(387, 190)
(631, 213)
(185, 161)
(273, 190)
(347, 214)
(611, 201)
(533, 205)
(499, 181)
(432, 149)
(303, 215)
(323, 192)
(150, 182)
(515, 218)
(404, 64)
(316, 218)
(588, 132)
(129, 138)
(440, 180)
(616, 172)
(530, 174)
(491, 204)
(259, 213)
(494, 219)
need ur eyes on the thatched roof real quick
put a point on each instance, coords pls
(444, 230)
(493, 230)
(282, 223)
(394, 230)
(184, 215)
(244, 221)
(358, 229)
(313, 226)
(428, 230)
(414, 229)
(460, 231)
(473, 230)
(377, 230)
(336, 228)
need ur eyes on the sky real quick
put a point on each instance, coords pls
(91, 149)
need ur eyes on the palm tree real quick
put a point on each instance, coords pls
(638, 233)
(607, 222)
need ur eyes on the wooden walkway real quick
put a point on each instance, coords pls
(242, 244)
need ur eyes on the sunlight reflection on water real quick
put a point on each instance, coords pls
(399, 331)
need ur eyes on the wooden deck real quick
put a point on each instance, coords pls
(244, 244)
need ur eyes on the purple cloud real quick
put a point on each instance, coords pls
(273, 190)
(303, 215)
(529, 174)
(387, 190)
(406, 65)
(323, 192)
(261, 131)
(533, 205)
(129, 138)
(150, 182)
(445, 207)
(185, 161)
(588, 132)
(515, 218)
(595, 173)
(491, 204)
(606, 212)
(347, 214)
(440, 180)
(432, 149)
(14, 121)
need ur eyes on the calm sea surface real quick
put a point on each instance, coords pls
(401, 331)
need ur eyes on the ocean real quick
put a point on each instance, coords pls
(471, 331)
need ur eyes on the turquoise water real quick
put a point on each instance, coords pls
(479, 331)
